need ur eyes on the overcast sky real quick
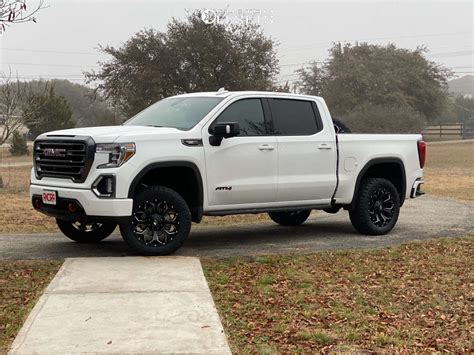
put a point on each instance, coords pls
(64, 41)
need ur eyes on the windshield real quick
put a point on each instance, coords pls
(177, 112)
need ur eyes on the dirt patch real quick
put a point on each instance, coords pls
(449, 170)
(18, 216)
(7, 158)
(16, 179)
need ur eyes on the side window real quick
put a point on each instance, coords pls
(295, 117)
(248, 113)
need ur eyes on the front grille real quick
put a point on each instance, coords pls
(69, 158)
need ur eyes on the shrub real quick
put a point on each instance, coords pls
(18, 144)
(368, 118)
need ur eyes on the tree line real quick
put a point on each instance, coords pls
(371, 88)
(43, 106)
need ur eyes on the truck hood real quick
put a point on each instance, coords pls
(109, 134)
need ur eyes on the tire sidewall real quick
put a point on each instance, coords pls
(359, 214)
(160, 193)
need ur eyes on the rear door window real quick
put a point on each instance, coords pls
(295, 117)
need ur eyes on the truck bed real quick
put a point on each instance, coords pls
(356, 150)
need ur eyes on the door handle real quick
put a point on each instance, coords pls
(266, 147)
(324, 146)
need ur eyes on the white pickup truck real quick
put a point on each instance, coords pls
(220, 153)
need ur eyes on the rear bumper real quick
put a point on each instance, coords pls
(416, 189)
(89, 204)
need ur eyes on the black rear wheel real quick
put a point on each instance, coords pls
(290, 218)
(160, 223)
(84, 232)
(376, 208)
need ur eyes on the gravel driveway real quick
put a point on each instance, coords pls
(423, 218)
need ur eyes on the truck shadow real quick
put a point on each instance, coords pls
(244, 240)
(265, 239)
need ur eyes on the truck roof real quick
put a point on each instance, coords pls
(225, 93)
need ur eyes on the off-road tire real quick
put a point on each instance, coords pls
(155, 205)
(290, 218)
(86, 232)
(366, 215)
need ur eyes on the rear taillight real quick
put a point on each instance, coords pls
(422, 153)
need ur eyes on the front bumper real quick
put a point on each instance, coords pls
(90, 205)
(416, 189)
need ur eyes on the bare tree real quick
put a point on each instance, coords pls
(10, 107)
(16, 11)
(15, 109)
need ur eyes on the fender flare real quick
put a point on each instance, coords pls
(172, 164)
(376, 161)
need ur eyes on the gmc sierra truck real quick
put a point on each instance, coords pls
(215, 154)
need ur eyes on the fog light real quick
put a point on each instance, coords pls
(37, 202)
(72, 207)
(104, 186)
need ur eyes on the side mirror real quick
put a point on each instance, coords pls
(223, 130)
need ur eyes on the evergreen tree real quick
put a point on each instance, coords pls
(18, 144)
(50, 113)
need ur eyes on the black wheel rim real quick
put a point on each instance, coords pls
(155, 223)
(86, 227)
(381, 207)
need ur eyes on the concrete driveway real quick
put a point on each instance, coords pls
(125, 306)
(422, 218)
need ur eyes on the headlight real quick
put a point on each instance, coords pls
(119, 153)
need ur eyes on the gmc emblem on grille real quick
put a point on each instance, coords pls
(54, 152)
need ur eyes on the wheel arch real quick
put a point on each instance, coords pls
(194, 198)
(390, 168)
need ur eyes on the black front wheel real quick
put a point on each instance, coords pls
(376, 208)
(290, 218)
(84, 232)
(160, 223)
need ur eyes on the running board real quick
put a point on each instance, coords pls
(266, 209)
